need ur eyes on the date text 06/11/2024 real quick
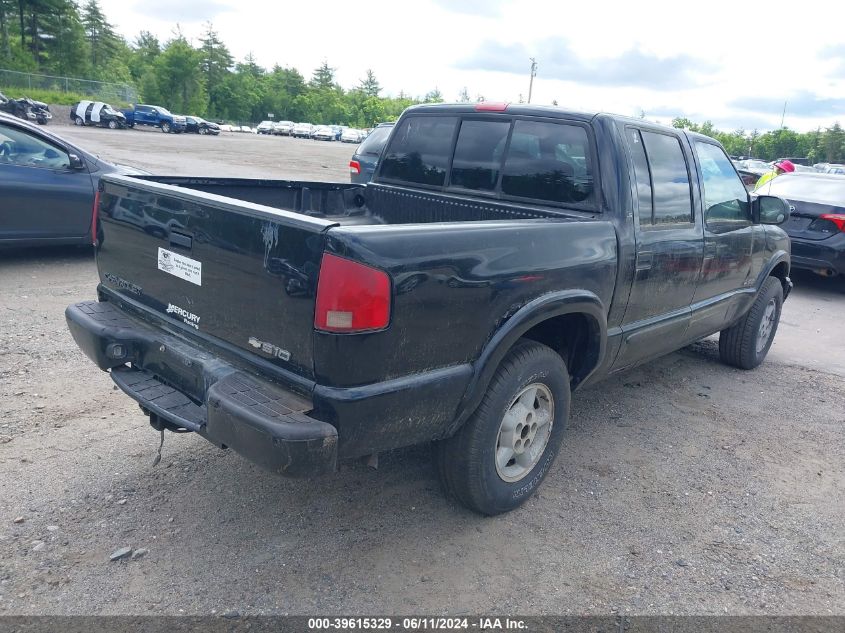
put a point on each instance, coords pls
(417, 624)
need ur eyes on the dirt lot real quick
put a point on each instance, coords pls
(683, 486)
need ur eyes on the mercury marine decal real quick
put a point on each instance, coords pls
(188, 317)
(269, 348)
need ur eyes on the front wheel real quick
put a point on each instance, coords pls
(165, 127)
(112, 124)
(203, 130)
(499, 458)
(747, 342)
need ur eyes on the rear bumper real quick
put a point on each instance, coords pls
(183, 387)
(821, 254)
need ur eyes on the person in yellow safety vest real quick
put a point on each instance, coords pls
(781, 167)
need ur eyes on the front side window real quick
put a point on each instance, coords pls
(725, 197)
(478, 154)
(671, 191)
(419, 150)
(23, 149)
(548, 161)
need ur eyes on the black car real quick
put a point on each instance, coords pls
(26, 109)
(97, 113)
(365, 159)
(47, 187)
(816, 223)
(197, 125)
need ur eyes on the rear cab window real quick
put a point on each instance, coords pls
(661, 171)
(509, 158)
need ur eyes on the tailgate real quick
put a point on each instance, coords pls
(233, 270)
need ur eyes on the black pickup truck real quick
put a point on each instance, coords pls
(502, 257)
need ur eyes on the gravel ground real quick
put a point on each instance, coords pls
(683, 486)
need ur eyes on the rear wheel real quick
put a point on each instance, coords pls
(747, 342)
(499, 458)
(78, 121)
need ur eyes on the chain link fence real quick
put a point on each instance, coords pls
(99, 90)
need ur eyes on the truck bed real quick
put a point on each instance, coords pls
(370, 204)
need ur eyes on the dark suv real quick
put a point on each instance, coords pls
(365, 159)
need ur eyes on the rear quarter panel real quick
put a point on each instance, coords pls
(455, 285)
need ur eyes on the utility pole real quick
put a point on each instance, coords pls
(533, 74)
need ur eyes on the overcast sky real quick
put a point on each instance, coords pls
(734, 63)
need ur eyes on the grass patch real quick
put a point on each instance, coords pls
(54, 97)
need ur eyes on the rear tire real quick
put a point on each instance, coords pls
(747, 342)
(501, 455)
(78, 121)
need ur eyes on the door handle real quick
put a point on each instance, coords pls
(181, 240)
(644, 260)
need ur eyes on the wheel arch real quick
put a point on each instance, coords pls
(573, 323)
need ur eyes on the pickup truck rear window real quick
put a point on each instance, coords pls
(548, 161)
(478, 154)
(419, 150)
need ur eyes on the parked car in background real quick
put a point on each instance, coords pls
(97, 113)
(265, 127)
(323, 133)
(47, 187)
(754, 165)
(197, 125)
(247, 129)
(26, 109)
(816, 224)
(283, 128)
(365, 158)
(834, 169)
(804, 169)
(303, 130)
(351, 135)
(154, 116)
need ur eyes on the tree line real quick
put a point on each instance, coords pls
(60, 37)
(819, 146)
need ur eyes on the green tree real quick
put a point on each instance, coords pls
(433, 96)
(179, 80)
(216, 65)
(102, 40)
(834, 143)
(370, 85)
(323, 76)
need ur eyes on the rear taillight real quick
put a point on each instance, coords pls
(95, 215)
(837, 218)
(354, 167)
(351, 297)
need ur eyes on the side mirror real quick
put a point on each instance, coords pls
(769, 210)
(76, 162)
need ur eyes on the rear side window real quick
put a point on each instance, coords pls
(642, 175)
(478, 154)
(419, 150)
(548, 161)
(374, 143)
(671, 191)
